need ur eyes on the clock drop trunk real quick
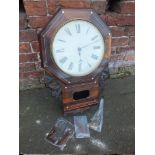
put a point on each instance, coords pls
(80, 96)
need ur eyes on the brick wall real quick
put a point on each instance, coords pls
(118, 14)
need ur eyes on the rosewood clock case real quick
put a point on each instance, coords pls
(77, 92)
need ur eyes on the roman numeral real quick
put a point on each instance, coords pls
(68, 31)
(96, 47)
(89, 64)
(87, 30)
(60, 50)
(80, 67)
(94, 37)
(70, 66)
(77, 28)
(61, 40)
(63, 60)
(93, 56)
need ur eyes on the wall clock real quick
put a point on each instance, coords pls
(76, 45)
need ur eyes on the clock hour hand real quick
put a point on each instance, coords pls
(87, 45)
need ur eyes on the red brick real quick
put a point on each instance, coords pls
(114, 19)
(30, 75)
(123, 56)
(132, 41)
(75, 3)
(127, 7)
(117, 31)
(32, 57)
(39, 30)
(39, 22)
(27, 67)
(130, 30)
(54, 5)
(121, 41)
(99, 6)
(22, 21)
(116, 57)
(35, 8)
(128, 52)
(39, 66)
(27, 35)
(123, 49)
(24, 48)
(113, 50)
(30, 83)
(36, 46)
(130, 58)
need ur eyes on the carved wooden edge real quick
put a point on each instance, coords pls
(80, 106)
(108, 40)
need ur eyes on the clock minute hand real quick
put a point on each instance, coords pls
(89, 44)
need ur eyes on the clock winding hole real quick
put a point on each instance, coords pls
(81, 95)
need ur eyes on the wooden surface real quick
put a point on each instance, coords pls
(69, 103)
(71, 84)
(49, 32)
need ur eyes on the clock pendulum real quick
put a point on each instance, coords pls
(76, 45)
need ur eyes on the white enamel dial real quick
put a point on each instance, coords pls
(78, 48)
